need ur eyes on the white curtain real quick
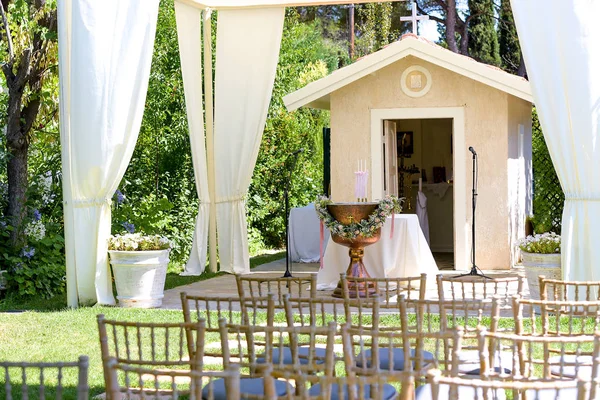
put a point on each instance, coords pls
(560, 42)
(189, 24)
(104, 63)
(248, 44)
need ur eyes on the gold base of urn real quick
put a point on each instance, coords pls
(345, 214)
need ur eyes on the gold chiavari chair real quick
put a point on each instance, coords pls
(145, 383)
(254, 285)
(434, 316)
(564, 318)
(150, 345)
(402, 356)
(445, 387)
(559, 290)
(479, 288)
(44, 380)
(304, 386)
(239, 347)
(535, 358)
(389, 289)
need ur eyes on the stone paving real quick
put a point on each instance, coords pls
(225, 285)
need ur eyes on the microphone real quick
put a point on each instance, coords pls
(298, 151)
(472, 150)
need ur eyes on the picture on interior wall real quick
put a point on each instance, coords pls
(405, 143)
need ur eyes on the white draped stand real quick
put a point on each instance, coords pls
(305, 233)
(405, 254)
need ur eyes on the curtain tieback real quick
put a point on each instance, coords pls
(98, 202)
(230, 199)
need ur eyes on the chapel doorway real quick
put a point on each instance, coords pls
(424, 150)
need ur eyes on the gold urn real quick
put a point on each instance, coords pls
(346, 214)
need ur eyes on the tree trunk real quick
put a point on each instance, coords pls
(17, 190)
(522, 71)
(464, 40)
(451, 26)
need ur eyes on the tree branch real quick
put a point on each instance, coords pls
(28, 116)
(11, 52)
(431, 17)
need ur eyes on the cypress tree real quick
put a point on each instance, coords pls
(483, 38)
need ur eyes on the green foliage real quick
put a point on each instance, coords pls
(483, 39)
(304, 57)
(548, 197)
(37, 269)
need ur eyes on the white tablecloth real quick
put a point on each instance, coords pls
(405, 254)
(304, 234)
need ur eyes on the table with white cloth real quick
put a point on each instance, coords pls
(304, 228)
(405, 254)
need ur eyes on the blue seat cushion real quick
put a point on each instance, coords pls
(389, 392)
(498, 370)
(251, 386)
(384, 358)
(464, 393)
(303, 352)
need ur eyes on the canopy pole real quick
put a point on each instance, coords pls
(210, 158)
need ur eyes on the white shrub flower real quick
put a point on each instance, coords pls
(35, 230)
(138, 242)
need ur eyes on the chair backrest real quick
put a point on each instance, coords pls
(150, 383)
(559, 290)
(510, 356)
(453, 387)
(543, 317)
(319, 311)
(45, 380)
(150, 345)
(306, 386)
(279, 346)
(479, 288)
(249, 311)
(401, 355)
(389, 289)
(254, 285)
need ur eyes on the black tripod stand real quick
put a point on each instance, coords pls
(286, 189)
(475, 271)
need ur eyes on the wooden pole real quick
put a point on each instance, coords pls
(351, 30)
(210, 146)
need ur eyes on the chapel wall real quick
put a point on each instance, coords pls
(486, 114)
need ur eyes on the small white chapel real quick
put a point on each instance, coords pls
(413, 109)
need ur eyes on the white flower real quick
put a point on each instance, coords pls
(35, 230)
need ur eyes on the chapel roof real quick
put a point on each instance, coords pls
(316, 94)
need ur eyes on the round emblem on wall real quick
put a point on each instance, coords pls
(415, 81)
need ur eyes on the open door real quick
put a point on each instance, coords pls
(390, 159)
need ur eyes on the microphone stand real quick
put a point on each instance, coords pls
(286, 189)
(475, 271)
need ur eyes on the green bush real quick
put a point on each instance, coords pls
(548, 196)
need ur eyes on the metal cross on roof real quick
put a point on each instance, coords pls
(414, 18)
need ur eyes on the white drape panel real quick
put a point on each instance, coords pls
(560, 42)
(105, 55)
(189, 24)
(248, 44)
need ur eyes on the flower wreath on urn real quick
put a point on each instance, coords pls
(366, 227)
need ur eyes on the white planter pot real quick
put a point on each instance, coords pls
(540, 264)
(140, 277)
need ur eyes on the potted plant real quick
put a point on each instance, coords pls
(139, 265)
(540, 255)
